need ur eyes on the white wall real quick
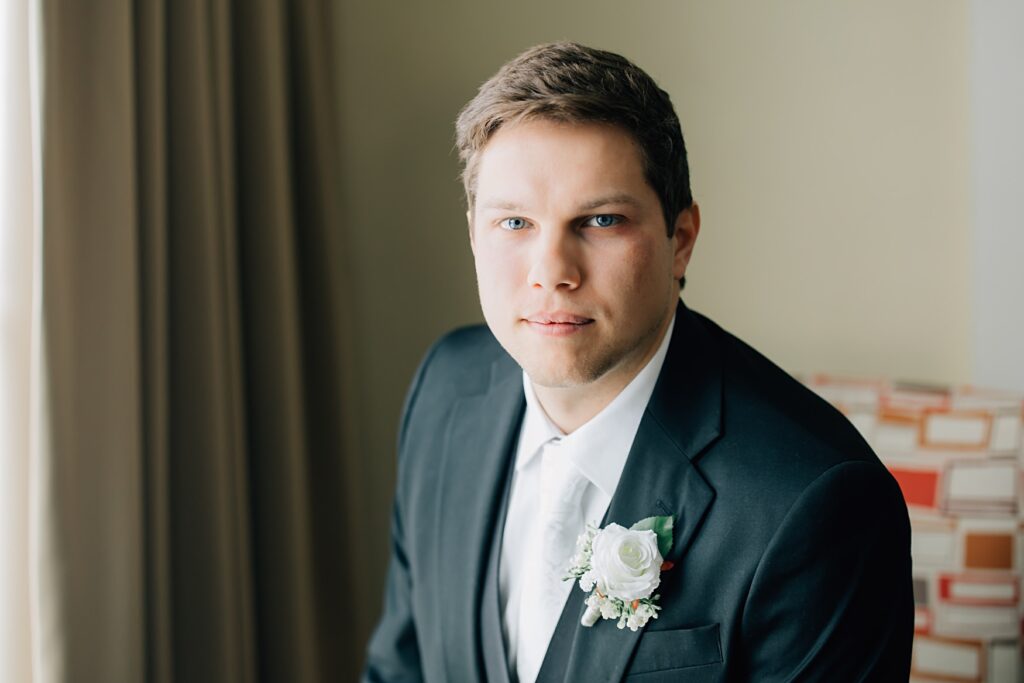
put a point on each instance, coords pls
(997, 185)
(830, 153)
(16, 218)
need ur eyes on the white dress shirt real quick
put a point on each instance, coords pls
(599, 450)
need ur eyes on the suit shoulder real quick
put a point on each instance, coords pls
(466, 339)
(766, 406)
(780, 442)
(460, 361)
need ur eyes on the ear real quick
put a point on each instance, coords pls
(685, 236)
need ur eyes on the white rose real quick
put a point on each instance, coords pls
(626, 563)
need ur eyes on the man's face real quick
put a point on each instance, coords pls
(577, 274)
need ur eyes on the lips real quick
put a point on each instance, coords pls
(558, 318)
(557, 323)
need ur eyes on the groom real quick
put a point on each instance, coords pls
(594, 395)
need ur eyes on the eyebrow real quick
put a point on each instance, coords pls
(622, 198)
(502, 204)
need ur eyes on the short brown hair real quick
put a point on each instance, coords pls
(573, 83)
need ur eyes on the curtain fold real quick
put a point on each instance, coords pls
(197, 383)
(86, 493)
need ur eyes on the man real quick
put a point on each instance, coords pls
(594, 395)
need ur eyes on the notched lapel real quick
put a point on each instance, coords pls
(477, 454)
(682, 419)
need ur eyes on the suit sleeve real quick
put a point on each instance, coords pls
(832, 597)
(393, 654)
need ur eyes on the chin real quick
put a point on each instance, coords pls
(563, 373)
(556, 380)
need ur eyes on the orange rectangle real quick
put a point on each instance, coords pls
(988, 551)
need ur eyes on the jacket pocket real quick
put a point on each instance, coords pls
(676, 649)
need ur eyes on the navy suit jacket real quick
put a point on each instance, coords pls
(791, 548)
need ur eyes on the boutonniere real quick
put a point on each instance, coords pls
(621, 568)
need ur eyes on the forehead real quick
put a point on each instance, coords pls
(550, 158)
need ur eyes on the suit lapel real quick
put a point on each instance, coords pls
(681, 420)
(477, 454)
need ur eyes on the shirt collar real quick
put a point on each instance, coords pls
(538, 429)
(600, 447)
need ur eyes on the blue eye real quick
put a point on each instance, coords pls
(603, 220)
(513, 223)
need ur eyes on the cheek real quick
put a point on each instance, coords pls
(640, 267)
(490, 267)
(495, 273)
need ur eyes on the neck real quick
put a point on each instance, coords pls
(569, 408)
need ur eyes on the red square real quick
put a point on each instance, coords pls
(920, 487)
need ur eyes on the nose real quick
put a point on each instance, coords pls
(555, 262)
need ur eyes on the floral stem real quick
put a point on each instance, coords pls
(591, 616)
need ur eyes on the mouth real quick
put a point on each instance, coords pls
(557, 323)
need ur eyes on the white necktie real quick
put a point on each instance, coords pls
(549, 551)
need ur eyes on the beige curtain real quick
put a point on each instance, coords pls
(191, 493)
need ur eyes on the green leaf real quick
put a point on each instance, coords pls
(662, 528)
